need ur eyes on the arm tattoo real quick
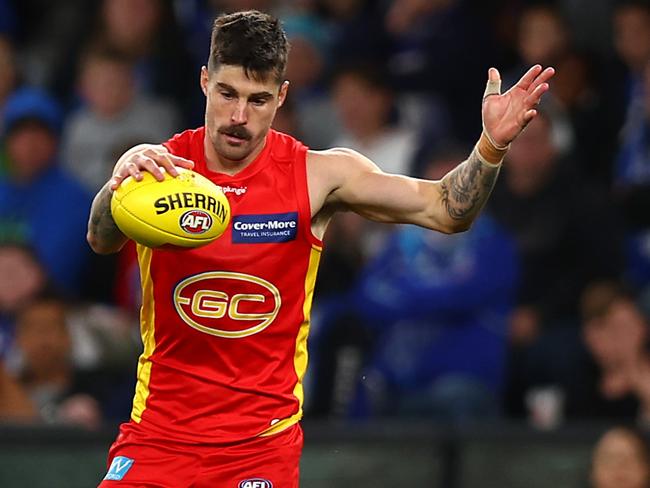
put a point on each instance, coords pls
(101, 224)
(466, 189)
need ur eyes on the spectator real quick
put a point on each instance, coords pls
(632, 34)
(58, 392)
(603, 372)
(306, 68)
(579, 105)
(543, 38)
(614, 381)
(632, 185)
(366, 107)
(21, 279)
(15, 405)
(337, 337)
(622, 77)
(427, 53)
(8, 72)
(440, 306)
(621, 459)
(44, 32)
(114, 114)
(32, 209)
(565, 232)
(365, 104)
(147, 33)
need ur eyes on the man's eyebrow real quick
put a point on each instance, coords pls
(226, 86)
(264, 95)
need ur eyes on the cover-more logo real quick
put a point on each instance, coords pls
(226, 304)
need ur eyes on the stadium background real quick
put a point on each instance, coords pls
(493, 358)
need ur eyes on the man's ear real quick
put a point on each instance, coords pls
(282, 95)
(204, 80)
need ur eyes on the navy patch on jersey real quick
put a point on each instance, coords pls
(264, 228)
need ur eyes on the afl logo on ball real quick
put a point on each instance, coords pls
(256, 483)
(195, 221)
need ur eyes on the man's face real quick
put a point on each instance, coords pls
(364, 109)
(239, 110)
(618, 462)
(632, 35)
(618, 336)
(42, 337)
(107, 86)
(31, 147)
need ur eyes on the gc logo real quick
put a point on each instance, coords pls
(226, 304)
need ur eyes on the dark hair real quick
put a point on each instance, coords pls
(251, 39)
(638, 4)
(597, 298)
(371, 73)
(103, 51)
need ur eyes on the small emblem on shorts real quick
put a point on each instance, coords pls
(255, 483)
(119, 467)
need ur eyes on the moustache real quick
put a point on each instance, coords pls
(236, 131)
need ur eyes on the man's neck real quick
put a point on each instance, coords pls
(220, 164)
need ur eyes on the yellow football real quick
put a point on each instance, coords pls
(186, 211)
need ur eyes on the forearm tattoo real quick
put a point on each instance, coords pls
(101, 224)
(466, 189)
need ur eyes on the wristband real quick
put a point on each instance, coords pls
(489, 152)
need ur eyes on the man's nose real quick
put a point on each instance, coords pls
(239, 116)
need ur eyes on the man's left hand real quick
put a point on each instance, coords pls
(506, 115)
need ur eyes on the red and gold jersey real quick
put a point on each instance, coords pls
(225, 326)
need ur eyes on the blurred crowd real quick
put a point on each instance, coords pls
(540, 311)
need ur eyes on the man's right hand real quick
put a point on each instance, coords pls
(150, 158)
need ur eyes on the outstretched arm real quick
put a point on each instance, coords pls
(452, 203)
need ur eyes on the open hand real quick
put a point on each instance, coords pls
(150, 159)
(505, 115)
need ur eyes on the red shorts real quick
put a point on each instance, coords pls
(136, 461)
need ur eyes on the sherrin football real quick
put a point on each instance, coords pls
(186, 211)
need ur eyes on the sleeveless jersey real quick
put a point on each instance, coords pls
(225, 326)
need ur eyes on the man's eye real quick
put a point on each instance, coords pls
(227, 96)
(258, 102)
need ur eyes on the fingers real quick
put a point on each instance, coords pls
(150, 161)
(529, 115)
(543, 77)
(115, 181)
(536, 95)
(169, 162)
(493, 86)
(528, 78)
(149, 165)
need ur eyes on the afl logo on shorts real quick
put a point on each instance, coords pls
(255, 483)
(226, 304)
(195, 221)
